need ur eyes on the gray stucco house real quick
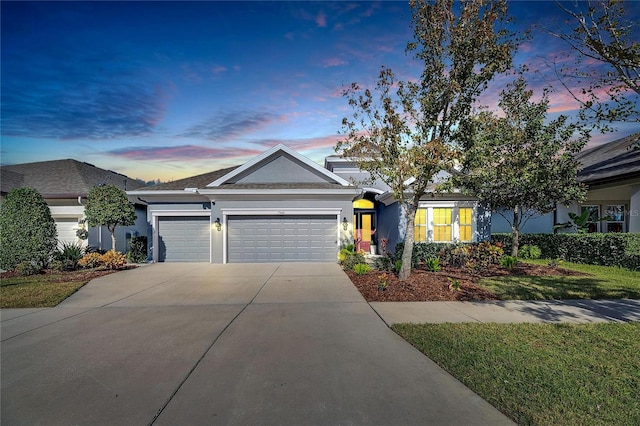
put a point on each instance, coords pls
(281, 206)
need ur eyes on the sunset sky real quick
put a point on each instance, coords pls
(166, 90)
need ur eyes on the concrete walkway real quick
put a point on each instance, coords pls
(201, 344)
(512, 311)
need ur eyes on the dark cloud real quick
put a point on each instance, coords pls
(183, 152)
(230, 125)
(68, 87)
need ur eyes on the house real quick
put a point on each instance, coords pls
(65, 184)
(278, 207)
(611, 172)
(283, 207)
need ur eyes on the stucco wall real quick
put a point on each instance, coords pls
(536, 225)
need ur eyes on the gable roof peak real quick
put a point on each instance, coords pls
(273, 152)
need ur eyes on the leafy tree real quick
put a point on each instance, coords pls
(404, 134)
(109, 206)
(607, 67)
(519, 164)
(27, 230)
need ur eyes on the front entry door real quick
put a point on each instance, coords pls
(364, 222)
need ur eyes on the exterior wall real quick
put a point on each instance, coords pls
(634, 209)
(388, 220)
(541, 224)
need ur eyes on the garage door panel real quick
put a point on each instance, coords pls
(184, 239)
(286, 238)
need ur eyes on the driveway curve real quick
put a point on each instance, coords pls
(168, 344)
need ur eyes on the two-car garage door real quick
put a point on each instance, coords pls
(282, 238)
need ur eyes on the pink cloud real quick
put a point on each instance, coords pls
(333, 62)
(217, 69)
(321, 19)
(182, 153)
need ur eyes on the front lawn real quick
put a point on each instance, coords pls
(599, 282)
(542, 374)
(43, 290)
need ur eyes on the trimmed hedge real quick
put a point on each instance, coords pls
(611, 249)
(422, 251)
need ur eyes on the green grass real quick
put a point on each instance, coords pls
(38, 291)
(603, 282)
(542, 374)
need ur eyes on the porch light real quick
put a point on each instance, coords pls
(345, 224)
(218, 224)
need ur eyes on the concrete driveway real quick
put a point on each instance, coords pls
(200, 344)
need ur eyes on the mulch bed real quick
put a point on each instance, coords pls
(425, 286)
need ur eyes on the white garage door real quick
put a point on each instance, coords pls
(307, 238)
(66, 227)
(183, 239)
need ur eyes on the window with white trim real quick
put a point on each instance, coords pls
(614, 215)
(442, 224)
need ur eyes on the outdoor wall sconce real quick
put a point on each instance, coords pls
(345, 224)
(218, 224)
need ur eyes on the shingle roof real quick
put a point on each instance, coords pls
(63, 178)
(611, 161)
(199, 181)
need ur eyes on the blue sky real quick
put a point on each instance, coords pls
(166, 90)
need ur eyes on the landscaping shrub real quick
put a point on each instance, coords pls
(27, 230)
(91, 260)
(422, 251)
(361, 268)
(529, 251)
(610, 249)
(398, 266)
(474, 257)
(113, 260)
(27, 268)
(508, 262)
(349, 257)
(432, 264)
(384, 263)
(138, 250)
(68, 255)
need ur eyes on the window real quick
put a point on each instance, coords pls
(420, 226)
(466, 220)
(442, 224)
(615, 218)
(593, 222)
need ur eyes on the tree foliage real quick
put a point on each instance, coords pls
(520, 162)
(403, 132)
(27, 230)
(109, 206)
(605, 78)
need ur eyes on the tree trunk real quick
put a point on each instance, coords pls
(515, 232)
(112, 231)
(407, 253)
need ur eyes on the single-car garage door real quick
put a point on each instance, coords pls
(307, 238)
(183, 239)
(67, 227)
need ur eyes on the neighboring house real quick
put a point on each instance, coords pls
(611, 172)
(278, 207)
(65, 184)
